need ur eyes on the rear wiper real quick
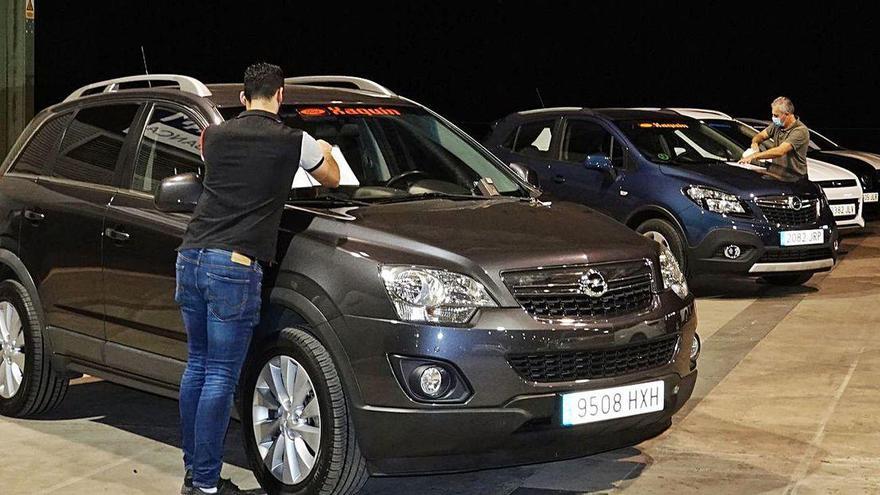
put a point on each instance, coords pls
(330, 198)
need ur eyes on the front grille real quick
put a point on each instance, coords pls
(599, 363)
(555, 293)
(825, 184)
(779, 210)
(796, 254)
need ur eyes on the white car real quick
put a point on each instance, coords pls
(841, 187)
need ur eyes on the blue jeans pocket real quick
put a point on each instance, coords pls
(228, 294)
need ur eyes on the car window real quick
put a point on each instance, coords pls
(583, 138)
(534, 139)
(92, 143)
(169, 146)
(680, 142)
(35, 157)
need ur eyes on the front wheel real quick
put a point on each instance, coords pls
(665, 234)
(298, 432)
(788, 279)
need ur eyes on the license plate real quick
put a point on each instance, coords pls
(843, 210)
(871, 197)
(801, 237)
(612, 403)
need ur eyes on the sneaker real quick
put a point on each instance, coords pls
(224, 487)
(187, 487)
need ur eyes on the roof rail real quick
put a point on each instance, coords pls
(187, 84)
(341, 82)
(701, 110)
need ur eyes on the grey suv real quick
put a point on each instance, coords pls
(430, 314)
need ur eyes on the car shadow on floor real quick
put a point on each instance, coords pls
(136, 412)
(156, 418)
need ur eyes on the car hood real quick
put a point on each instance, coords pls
(739, 179)
(871, 158)
(820, 171)
(485, 235)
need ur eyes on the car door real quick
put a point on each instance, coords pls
(63, 221)
(532, 143)
(573, 180)
(145, 333)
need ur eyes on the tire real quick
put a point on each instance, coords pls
(668, 233)
(40, 388)
(788, 279)
(338, 468)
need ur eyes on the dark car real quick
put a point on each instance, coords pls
(865, 165)
(430, 314)
(672, 179)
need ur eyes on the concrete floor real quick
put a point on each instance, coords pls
(786, 402)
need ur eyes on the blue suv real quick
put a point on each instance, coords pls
(675, 180)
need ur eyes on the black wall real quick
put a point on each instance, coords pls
(478, 61)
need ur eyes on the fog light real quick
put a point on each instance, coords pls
(431, 381)
(732, 252)
(695, 347)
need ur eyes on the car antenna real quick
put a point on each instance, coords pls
(539, 97)
(146, 71)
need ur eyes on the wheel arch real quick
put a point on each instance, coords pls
(656, 212)
(11, 266)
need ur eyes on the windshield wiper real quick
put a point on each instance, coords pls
(437, 194)
(330, 198)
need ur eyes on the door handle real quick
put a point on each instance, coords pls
(116, 235)
(34, 216)
(559, 179)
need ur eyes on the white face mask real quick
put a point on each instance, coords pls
(777, 121)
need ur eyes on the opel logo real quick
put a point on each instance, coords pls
(593, 284)
(795, 203)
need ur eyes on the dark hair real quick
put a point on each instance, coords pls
(262, 80)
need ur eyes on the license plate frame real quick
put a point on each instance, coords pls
(810, 237)
(843, 210)
(594, 406)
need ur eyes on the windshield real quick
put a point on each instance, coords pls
(391, 153)
(736, 131)
(821, 143)
(680, 141)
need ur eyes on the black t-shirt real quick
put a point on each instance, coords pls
(250, 162)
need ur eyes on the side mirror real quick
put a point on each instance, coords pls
(526, 174)
(178, 193)
(599, 162)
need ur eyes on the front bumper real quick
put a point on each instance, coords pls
(507, 420)
(760, 253)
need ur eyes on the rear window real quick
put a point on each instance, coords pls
(37, 153)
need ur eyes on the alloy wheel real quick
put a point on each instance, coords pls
(12, 357)
(658, 238)
(286, 419)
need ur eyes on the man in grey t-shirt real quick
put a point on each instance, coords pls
(789, 139)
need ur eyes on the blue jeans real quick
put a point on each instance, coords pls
(220, 304)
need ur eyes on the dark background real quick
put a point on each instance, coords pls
(476, 62)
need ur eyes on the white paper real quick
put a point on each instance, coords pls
(303, 179)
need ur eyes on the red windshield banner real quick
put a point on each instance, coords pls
(333, 110)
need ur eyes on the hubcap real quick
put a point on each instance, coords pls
(658, 238)
(287, 419)
(12, 357)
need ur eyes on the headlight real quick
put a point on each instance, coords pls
(673, 277)
(714, 199)
(432, 295)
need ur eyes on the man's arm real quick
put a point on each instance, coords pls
(328, 172)
(316, 158)
(758, 139)
(771, 153)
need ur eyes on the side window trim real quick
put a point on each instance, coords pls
(626, 162)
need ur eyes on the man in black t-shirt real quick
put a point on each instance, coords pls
(250, 162)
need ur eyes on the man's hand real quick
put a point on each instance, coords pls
(747, 159)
